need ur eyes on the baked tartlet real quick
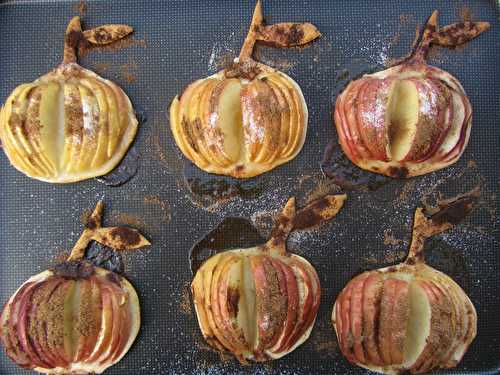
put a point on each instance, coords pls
(407, 318)
(412, 118)
(76, 317)
(249, 118)
(70, 124)
(261, 303)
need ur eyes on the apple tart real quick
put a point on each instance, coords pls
(75, 318)
(249, 118)
(412, 118)
(261, 303)
(70, 124)
(408, 318)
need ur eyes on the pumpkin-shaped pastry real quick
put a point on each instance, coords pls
(249, 118)
(261, 303)
(412, 118)
(408, 318)
(76, 317)
(70, 124)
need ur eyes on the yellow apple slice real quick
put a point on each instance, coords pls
(226, 116)
(402, 116)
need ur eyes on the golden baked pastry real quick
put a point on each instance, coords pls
(412, 118)
(249, 118)
(408, 318)
(261, 303)
(70, 124)
(75, 318)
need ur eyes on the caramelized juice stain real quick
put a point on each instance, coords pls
(230, 233)
(124, 172)
(336, 166)
(210, 189)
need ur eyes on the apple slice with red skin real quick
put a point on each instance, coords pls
(107, 323)
(10, 338)
(290, 285)
(356, 317)
(386, 305)
(349, 122)
(374, 134)
(316, 294)
(37, 322)
(25, 303)
(116, 329)
(372, 296)
(305, 303)
(270, 304)
(345, 315)
(126, 324)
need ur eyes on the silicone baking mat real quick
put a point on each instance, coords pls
(173, 204)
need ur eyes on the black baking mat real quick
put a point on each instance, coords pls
(179, 41)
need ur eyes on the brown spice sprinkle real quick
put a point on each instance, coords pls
(185, 304)
(127, 219)
(84, 49)
(128, 71)
(165, 207)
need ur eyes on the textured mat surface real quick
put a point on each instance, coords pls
(179, 41)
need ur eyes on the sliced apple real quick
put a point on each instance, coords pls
(228, 296)
(292, 306)
(400, 317)
(224, 118)
(270, 303)
(373, 127)
(419, 324)
(403, 114)
(386, 306)
(211, 138)
(91, 305)
(356, 317)
(106, 329)
(25, 303)
(261, 120)
(372, 296)
(306, 300)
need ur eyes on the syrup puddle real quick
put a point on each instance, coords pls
(210, 189)
(230, 233)
(336, 166)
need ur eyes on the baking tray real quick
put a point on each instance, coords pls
(176, 42)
